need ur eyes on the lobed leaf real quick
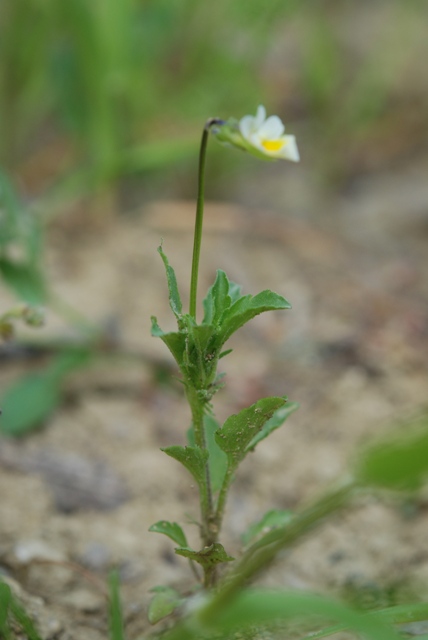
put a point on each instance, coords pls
(240, 429)
(170, 529)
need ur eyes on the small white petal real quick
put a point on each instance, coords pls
(260, 116)
(272, 128)
(290, 150)
(246, 125)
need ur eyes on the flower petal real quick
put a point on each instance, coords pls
(260, 116)
(289, 151)
(246, 126)
(272, 128)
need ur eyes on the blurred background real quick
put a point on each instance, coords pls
(102, 105)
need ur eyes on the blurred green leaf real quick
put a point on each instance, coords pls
(262, 607)
(399, 462)
(116, 625)
(170, 529)
(238, 431)
(270, 520)
(5, 599)
(164, 602)
(32, 399)
(25, 280)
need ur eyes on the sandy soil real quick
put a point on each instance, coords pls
(352, 352)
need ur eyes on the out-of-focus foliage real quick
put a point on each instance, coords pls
(116, 86)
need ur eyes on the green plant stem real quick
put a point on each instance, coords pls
(222, 496)
(262, 552)
(208, 532)
(197, 239)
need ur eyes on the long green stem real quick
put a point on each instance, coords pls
(206, 500)
(199, 215)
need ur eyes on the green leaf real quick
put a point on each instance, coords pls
(115, 609)
(193, 458)
(164, 602)
(261, 607)
(175, 341)
(25, 280)
(247, 307)
(277, 420)
(217, 458)
(217, 299)
(272, 519)
(170, 529)
(32, 399)
(400, 462)
(240, 429)
(208, 556)
(5, 599)
(174, 295)
(28, 403)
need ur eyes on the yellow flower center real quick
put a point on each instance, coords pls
(272, 145)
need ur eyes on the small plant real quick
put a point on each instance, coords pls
(214, 453)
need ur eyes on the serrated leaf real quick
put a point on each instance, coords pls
(270, 520)
(170, 529)
(25, 280)
(401, 462)
(239, 430)
(174, 340)
(208, 556)
(217, 459)
(193, 458)
(174, 295)
(277, 420)
(247, 307)
(164, 602)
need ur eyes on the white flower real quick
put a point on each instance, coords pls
(265, 135)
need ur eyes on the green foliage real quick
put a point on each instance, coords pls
(198, 347)
(193, 458)
(236, 436)
(208, 556)
(21, 236)
(271, 519)
(116, 624)
(163, 603)
(172, 530)
(11, 610)
(399, 462)
(30, 401)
